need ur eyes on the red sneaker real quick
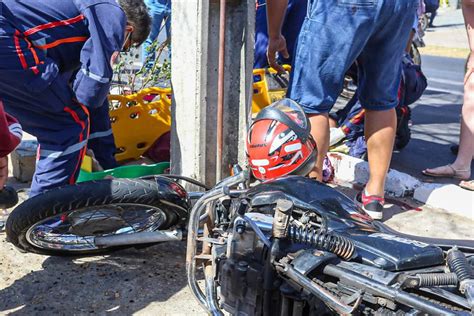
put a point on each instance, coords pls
(371, 204)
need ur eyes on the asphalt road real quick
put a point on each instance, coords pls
(435, 118)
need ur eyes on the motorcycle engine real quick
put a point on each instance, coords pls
(299, 250)
(240, 270)
(244, 272)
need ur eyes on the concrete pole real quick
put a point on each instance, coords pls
(195, 45)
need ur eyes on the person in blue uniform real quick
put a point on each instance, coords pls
(293, 20)
(55, 71)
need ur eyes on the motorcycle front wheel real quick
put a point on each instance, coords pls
(66, 220)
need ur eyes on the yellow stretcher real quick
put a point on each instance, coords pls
(138, 120)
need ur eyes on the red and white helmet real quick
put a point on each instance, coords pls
(279, 142)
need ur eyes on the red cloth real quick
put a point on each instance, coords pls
(10, 132)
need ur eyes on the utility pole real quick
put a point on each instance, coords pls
(195, 81)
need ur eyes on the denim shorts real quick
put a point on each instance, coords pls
(336, 33)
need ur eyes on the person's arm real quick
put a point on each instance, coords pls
(468, 12)
(276, 10)
(106, 24)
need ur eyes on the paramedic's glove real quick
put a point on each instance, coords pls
(335, 136)
(277, 46)
(469, 68)
(3, 171)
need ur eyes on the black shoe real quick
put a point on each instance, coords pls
(371, 204)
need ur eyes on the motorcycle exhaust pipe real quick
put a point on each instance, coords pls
(138, 238)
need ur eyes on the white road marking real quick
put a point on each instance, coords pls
(448, 91)
(450, 82)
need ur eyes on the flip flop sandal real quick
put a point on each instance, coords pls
(455, 174)
(468, 185)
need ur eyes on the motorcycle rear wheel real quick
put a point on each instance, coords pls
(66, 220)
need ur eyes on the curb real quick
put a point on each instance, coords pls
(449, 197)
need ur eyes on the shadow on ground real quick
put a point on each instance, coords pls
(123, 282)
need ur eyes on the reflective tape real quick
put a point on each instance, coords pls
(95, 77)
(56, 154)
(100, 134)
(16, 130)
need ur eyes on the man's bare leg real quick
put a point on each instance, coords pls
(380, 128)
(320, 133)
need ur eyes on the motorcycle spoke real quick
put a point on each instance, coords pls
(76, 232)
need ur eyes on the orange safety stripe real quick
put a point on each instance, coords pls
(63, 41)
(355, 120)
(53, 25)
(33, 52)
(18, 49)
(82, 152)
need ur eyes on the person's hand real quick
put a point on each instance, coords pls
(469, 68)
(3, 171)
(277, 46)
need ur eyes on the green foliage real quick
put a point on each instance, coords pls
(155, 71)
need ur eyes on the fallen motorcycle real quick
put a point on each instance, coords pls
(287, 245)
(293, 246)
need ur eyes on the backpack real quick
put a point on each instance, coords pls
(413, 83)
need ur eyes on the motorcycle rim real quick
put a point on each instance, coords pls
(75, 230)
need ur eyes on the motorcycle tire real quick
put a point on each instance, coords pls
(30, 223)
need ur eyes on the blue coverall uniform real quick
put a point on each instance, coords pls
(55, 73)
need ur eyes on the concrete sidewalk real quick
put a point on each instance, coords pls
(448, 38)
(448, 197)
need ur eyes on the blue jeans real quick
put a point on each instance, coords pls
(337, 32)
(157, 20)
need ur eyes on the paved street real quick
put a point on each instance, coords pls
(435, 117)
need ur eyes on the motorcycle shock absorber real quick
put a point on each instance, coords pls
(457, 263)
(429, 280)
(332, 242)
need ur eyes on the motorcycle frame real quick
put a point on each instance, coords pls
(201, 214)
